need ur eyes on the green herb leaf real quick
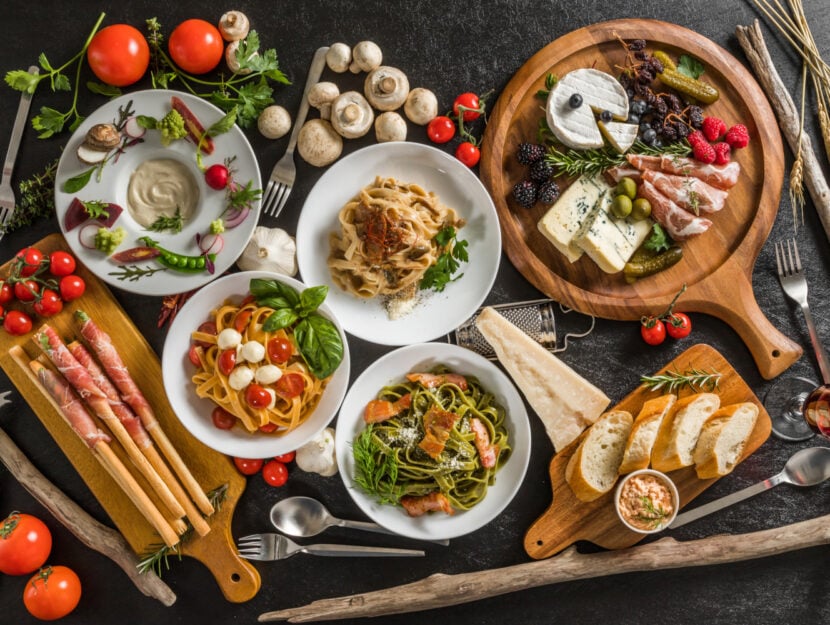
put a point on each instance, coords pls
(658, 240)
(133, 273)
(21, 80)
(694, 379)
(49, 122)
(376, 471)
(76, 183)
(690, 66)
(440, 274)
(96, 208)
(320, 344)
(147, 122)
(244, 196)
(164, 223)
(311, 298)
(223, 125)
(102, 89)
(279, 319)
(273, 292)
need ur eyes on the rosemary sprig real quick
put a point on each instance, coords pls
(694, 379)
(133, 273)
(594, 161)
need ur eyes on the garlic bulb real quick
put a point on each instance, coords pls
(317, 455)
(270, 249)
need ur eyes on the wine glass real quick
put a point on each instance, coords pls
(798, 408)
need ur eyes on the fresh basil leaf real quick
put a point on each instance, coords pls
(279, 319)
(690, 66)
(274, 302)
(76, 183)
(261, 288)
(223, 125)
(320, 344)
(311, 298)
(145, 121)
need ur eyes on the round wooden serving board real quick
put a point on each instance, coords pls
(717, 265)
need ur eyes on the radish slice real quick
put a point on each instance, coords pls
(86, 235)
(210, 243)
(133, 128)
(236, 217)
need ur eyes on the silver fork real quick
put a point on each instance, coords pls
(268, 547)
(794, 282)
(6, 192)
(4, 398)
(285, 171)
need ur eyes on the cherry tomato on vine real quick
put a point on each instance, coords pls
(279, 350)
(71, 287)
(49, 304)
(31, 257)
(441, 129)
(17, 323)
(61, 263)
(196, 46)
(222, 419)
(257, 396)
(118, 55)
(25, 543)
(678, 325)
(6, 292)
(286, 458)
(275, 473)
(468, 101)
(26, 291)
(468, 154)
(52, 593)
(248, 466)
(653, 331)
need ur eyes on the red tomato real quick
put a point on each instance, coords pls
(257, 396)
(17, 323)
(193, 356)
(71, 287)
(268, 428)
(25, 543)
(468, 153)
(248, 466)
(6, 292)
(471, 103)
(61, 263)
(222, 419)
(240, 321)
(678, 325)
(49, 304)
(290, 385)
(226, 361)
(275, 473)
(653, 331)
(52, 593)
(216, 176)
(196, 46)
(441, 129)
(279, 350)
(118, 55)
(26, 291)
(286, 458)
(31, 258)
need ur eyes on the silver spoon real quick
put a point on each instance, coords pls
(305, 517)
(806, 467)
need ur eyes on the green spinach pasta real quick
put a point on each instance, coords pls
(432, 442)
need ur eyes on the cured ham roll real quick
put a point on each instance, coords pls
(688, 192)
(678, 222)
(720, 176)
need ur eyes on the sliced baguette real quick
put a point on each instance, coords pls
(723, 438)
(592, 469)
(680, 429)
(641, 440)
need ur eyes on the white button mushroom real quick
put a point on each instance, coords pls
(274, 122)
(390, 126)
(232, 59)
(321, 95)
(386, 88)
(421, 106)
(366, 56)
(252, 351)
(339, 57)
(234, 25)
(240, 377)
(318, 455)
(351, 115)
(267, 374)
(228, 338)
(318, 143)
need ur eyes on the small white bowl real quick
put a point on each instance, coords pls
(638, 477)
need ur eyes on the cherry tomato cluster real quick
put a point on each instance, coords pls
(677, 325)
(41, 284)
(467, 108)
(25, 544)
(274, 470)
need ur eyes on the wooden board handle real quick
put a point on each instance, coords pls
(238, 580)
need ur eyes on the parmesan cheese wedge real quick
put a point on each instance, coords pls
(564, 401)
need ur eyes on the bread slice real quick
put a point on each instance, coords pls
(641, 440)
(722, 439)
(678, 434)
(564, 401)
(593, 468)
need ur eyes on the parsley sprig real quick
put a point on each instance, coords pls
(439, 275)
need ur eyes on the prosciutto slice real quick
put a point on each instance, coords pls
(720, 176)
(487, 452)
(679, 223)
(419, 505)
(438, 424)
(688, 192)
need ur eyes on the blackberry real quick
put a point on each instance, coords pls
(695, 114)
(541, 171)
(525, 193)
(682, 130)
(548, 192)
(529, 153)
(669, 132)
(637, 44)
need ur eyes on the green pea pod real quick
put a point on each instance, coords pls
(180, 262)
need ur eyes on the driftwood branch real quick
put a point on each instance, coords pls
(442, 590)
(752, 41)
(89, 531)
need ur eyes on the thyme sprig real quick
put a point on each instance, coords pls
(35, 200)
(694, 379)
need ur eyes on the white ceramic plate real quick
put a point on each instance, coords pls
(392, 368)
(456, 186)
(194, 412)
(115, 178)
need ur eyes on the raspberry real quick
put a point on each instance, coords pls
(529, 153)
(722, 153)
(695, 137)
(525, 193)
(713, 128)
(549, 192)
(704, 152)
(737, 136)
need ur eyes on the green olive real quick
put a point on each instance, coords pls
(627, 187)
(621, 207)
(641, 209)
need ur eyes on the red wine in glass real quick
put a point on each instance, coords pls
(798, 408)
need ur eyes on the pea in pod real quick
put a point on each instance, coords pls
(181, 262)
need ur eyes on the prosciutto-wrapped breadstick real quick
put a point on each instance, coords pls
(103, 347)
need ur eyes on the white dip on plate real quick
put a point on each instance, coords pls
(158, 187)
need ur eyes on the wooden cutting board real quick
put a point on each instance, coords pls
(237, 578)
(569, 520)
(717, 265)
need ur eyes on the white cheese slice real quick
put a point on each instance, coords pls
(609, 241)
(565, 401)
(565, 218)
(620, 135)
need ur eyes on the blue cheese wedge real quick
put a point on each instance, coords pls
(609, 241)
(566, 217)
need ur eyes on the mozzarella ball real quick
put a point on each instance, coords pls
(228, 338)
(240, 377)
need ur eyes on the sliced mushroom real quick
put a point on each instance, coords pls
(390, 126)
(234, 25)
(318, 143)
(102, 137)
(321, 95)
(366, 56)
(386, 88)
(421, 106)
(274, 122)
(351, 115)
(339, 57)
